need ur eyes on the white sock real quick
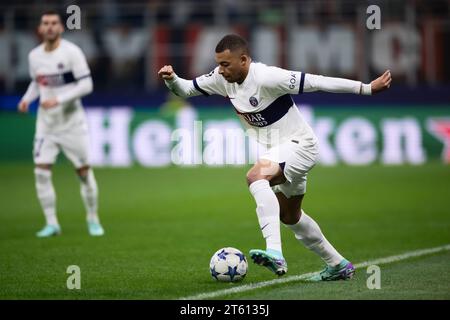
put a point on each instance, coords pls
(268, 211)
(308, 232)
(89, 194)
(46, 194)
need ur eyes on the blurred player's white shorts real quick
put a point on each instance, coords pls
(74, 144)
(296, 157)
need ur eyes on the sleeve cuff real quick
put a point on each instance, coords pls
(169, 82)
(366, 89)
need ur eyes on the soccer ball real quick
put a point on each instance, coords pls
(228, 265)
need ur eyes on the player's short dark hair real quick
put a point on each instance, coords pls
(233, 42)
(51, 12)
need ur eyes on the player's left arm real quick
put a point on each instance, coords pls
(295, 82)
(82, 75)
(339, 85)
(381, 83)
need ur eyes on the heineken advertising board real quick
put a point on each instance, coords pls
(123, 136)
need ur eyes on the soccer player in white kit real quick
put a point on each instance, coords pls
(60, 77)
(261, 96)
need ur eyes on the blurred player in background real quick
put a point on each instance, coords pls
(60, 77)
(261, 96)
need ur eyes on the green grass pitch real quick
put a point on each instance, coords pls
(163, 225)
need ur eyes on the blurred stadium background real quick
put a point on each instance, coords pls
(127, 42)
(394, 147)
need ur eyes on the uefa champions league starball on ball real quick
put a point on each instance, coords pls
(228, 265)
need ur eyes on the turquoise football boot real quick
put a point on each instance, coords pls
(343, 271)
(95, 229)
(271, 259)
(49, 230)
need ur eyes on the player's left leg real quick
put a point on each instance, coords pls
(301, 160)
(89, 194)
(308, 232)
(75, 146)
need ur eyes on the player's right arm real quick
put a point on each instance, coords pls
(30, 95)
(206, 84)
(179, 86)
(32, 92)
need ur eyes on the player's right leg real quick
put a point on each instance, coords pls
(44, 154)
(259, 179)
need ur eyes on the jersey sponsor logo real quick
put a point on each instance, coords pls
(253, 101)
(55, 80)
(292, 80)
(255, 119)
(274, 112)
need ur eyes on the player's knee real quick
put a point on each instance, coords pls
(43, 166)
(264, 169)
(83, 171)
(253, 175)
(83, 174)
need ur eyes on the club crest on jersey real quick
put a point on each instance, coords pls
(253, 101)
(60, 65)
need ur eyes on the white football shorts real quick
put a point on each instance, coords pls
(296, 158)
(74, 144)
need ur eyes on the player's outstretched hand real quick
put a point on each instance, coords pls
(23, 106)
(381, 83)
(166, 73)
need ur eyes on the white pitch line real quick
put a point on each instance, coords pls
(257, 285)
